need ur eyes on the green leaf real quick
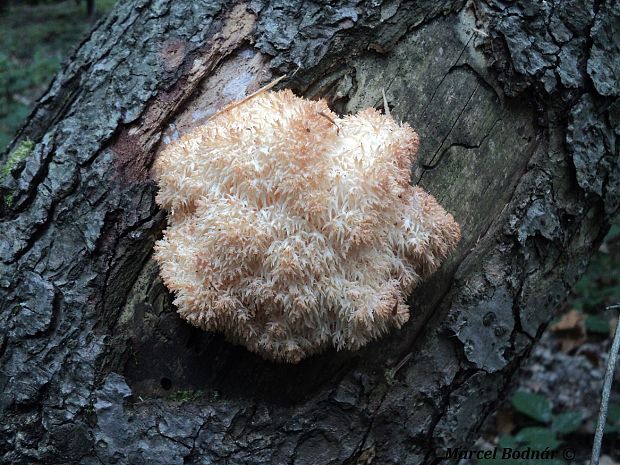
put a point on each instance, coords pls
(611, 429)
(537, 438)
(533, 405)
(613, 413)
(595, 324)
(501, 461)
(613, 419)
(507, 442)
(497, 461)
(567, 422)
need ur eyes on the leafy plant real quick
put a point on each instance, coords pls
(613, 419)
(184, 396)
(566, 423)
(596, 324)
(547, 435)
(600, 285)
(533, 405)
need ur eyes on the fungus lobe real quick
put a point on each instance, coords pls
(292, 230)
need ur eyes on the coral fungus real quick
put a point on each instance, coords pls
(291, 229)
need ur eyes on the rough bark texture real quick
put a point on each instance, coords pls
(517, 109)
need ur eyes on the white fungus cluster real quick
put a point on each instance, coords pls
(292, 230)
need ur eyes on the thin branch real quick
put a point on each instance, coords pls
(245, 99)
(386, 106)
(330, 119)
(609, 376)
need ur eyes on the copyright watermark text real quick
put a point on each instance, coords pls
(507, 453)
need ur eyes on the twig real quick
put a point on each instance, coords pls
(330, 119)
(245, 99)
(386, 106)
(390, 373)
(402, 362)
(609, 376)
(479, 31)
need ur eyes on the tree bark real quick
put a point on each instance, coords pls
(517, 110)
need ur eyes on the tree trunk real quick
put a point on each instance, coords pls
(516, 107)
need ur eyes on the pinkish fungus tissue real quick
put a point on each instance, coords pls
(291, 229)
